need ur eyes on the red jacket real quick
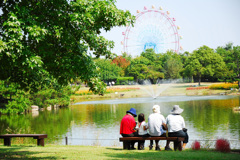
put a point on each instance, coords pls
(127, 125)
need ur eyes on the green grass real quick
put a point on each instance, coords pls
(99, 153)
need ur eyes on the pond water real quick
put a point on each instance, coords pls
(97, 122)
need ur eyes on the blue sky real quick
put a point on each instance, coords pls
(203, 22)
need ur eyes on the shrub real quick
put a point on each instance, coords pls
(18, 105)
(50, 96)
(222, 145)
(196, 145)
(124, 80)
(13, 99)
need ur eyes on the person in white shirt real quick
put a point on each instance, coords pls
(176, 126)
(155, 122)
(142, 127)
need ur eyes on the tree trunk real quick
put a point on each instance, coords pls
(238, 85)
(199, 79)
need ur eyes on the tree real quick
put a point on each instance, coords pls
(186, 77)
(231, 56)
(236, 55)
(42, 40)
(172, 65)
(141, 60)
(149, 54)
(108, 70)
(138, 68)
(172, 68)
(204, 61)
(153, 76)
(126, 56)
(142, 68)
(121, 62)
(139, 72)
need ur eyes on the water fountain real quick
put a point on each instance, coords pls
(154, 90)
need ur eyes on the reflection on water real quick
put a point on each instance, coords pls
(98, 122)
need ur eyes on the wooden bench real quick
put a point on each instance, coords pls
(39, 137)
(177, 141)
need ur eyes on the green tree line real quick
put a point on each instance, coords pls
(203, 64)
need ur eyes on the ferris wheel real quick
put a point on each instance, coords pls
(153, 28)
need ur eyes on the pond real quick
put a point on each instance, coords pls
(97, 122)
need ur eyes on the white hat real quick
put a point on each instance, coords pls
(176, 110)
(156, 109)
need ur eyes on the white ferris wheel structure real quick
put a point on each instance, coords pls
(153, 28)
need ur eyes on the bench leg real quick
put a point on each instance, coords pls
(40, 142)
(180, 146)
(126, 144)
(7, 141)
(177, 145)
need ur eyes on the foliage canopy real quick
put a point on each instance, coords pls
(45, 40)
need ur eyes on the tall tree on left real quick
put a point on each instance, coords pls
(43, 40)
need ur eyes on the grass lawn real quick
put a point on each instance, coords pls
(94, 152)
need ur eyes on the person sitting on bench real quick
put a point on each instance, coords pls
(142, 130)
(155, 122)
(128, 124)
(176, 126)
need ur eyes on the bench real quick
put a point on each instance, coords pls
(177, 141)
(39, 137)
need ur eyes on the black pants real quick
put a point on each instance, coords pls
(179, 134)
(141, 143)
(156, 141)
(134, 134)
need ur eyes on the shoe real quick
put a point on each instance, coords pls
(168, 149)
(150, 147)
(141, 147)
(157, 148)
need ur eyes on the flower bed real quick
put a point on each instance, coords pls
(196, 88)
(225, 86)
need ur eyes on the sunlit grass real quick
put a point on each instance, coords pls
(94, 152)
